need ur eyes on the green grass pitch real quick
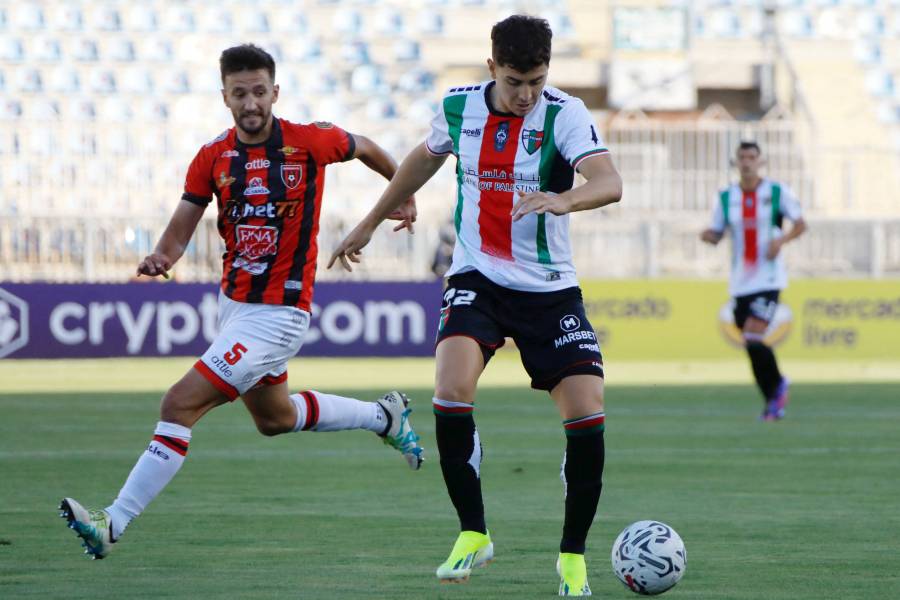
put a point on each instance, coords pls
(802, 509)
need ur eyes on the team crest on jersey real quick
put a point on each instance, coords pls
(532, 139)
(502, 136)
(291, 174)
(224, 180)
(256, 187)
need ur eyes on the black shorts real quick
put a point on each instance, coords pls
(551, 329)
(760, 305)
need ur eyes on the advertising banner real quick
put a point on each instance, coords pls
(684, 320)
(44, 320)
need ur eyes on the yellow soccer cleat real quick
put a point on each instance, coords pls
(572, 575)
(472, 549)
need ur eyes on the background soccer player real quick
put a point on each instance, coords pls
(753, 210)
(518, 143)
(267, 176)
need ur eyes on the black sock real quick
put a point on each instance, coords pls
(583, 472)
(765, 367)
(458, 444)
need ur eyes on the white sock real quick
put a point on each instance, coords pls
(152, 472)
(326, 412)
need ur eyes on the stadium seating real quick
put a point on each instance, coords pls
(127, 85)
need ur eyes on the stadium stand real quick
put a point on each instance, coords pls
(103, 104)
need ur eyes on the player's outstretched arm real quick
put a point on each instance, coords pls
(603, 186)
(173, 241)
(417, 168)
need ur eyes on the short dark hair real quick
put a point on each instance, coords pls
(749, 146)
(521, 42)
(246, 57)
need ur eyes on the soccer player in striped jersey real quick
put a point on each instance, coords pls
(517, 143)
(266, 175)
(753, 212)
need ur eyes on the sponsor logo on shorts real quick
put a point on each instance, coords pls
(221, 366)
(570, 323)
(591, 347)
(574, 336)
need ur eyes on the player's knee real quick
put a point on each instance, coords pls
(455, 392)
(272, 427)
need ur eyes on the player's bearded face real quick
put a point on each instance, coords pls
(250, 95)
(516, 92)
(748, 162)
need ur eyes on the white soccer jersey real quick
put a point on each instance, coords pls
(754, 219)
(499, 154)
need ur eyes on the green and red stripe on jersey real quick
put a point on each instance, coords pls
(496, 168)
(750, 225)
(585, 425)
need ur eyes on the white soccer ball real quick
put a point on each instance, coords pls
(649, 557)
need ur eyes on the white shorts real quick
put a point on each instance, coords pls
(254, 344)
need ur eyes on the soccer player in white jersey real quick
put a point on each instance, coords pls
(262, 319)
(753, 211)
(517, 143)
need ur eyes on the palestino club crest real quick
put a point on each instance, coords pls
(531, 140)
(291, 174)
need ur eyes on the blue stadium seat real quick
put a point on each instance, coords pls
(407, 50)
(46, 49)
(381, 108)
(141, 18)
(867, 52)
(136, 80)
(102, 81)
(389, 22)
(28, 16)
(105, 18)
(178, 19)
(797, 24)
(347, 21)
(416, 81)
(43, 109)
(120, 49)
(216, 20)
(253, 22)
(870, 24)
(10, 109)
(355, 53)
(723, 23)
(11, 49)
(67, 17)
(366, 79)
(85, 50)
(28, 80)
(155, 49)
(430, 22)
(880, 83)
(63, 80)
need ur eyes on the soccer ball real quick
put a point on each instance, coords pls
(649, 557)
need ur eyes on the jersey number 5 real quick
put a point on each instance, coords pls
(237, 351)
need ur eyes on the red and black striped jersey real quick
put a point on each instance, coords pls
(269, 196)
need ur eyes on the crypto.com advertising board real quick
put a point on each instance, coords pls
(45, 320)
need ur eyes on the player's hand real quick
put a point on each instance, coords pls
(350, 250)
(406, 213)
(155, 264)
(540, 203)
(710, 237)
(774, 248)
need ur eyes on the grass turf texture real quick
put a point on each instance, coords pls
(804, 508)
